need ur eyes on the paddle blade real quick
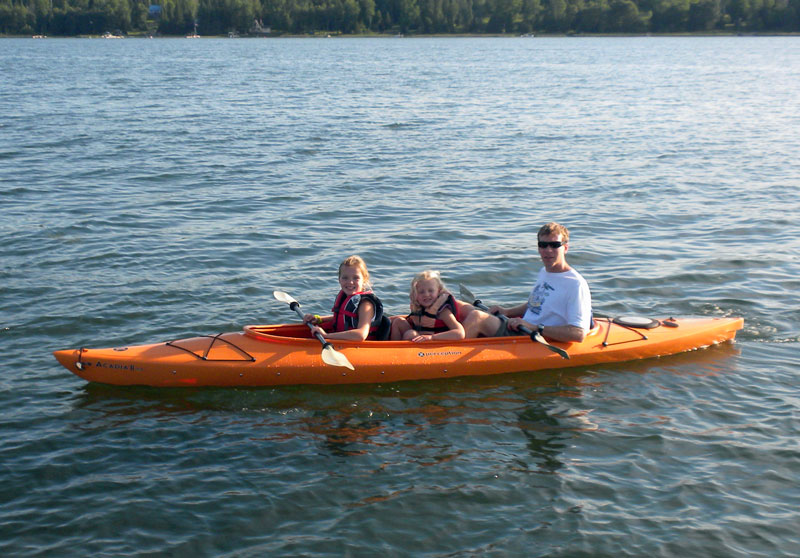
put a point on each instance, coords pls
(283, 297)
(334, 358)
(466, 294)
(559, 351)
(330, 355)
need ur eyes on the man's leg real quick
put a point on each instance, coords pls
(479, 323)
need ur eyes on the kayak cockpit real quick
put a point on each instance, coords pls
(270, 332)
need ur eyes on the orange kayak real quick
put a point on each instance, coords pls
(272, 355)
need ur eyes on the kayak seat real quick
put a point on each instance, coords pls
(384, 329)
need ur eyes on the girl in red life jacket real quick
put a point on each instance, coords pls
(357, 312)
(435, 313)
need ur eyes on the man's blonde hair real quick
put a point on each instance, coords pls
(554, 228)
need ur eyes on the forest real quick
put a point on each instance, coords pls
(407, 17)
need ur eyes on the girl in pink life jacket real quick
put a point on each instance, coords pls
(357, 312)
(435, 314)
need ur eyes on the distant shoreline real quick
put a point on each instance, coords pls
(424, 36)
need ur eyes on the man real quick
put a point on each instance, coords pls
(559, 306)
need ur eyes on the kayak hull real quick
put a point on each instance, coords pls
(274, 355)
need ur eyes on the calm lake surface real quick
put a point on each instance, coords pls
(152, 190)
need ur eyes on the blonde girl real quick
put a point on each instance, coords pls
(357, 312)
(434, 312)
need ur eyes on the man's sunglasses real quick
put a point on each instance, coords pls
(554, 244)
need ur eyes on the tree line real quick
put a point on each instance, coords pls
(219, 17)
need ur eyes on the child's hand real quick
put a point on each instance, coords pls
(317, 329)
(420, 338)
(410, 335)
(312, 319)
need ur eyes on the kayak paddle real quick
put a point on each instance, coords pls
(329, 354)
(468, 297)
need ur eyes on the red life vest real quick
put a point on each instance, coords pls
(345, 313)
(425, 322)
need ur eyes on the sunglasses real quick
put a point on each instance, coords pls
(554, 244)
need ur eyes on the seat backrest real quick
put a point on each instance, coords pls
(384, 329)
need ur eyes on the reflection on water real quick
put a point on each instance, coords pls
(123, 399)
(408, 417)
(356, 420)
(345, 436)
(549, 428)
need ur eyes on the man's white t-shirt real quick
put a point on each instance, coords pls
(560, 299)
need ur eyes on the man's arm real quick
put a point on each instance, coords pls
(568, 333)
(513, 312)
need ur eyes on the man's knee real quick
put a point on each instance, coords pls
(480, 323)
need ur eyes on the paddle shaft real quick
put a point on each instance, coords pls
(329, 354)
(294, 305)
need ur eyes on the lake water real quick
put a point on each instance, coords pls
(153, 190)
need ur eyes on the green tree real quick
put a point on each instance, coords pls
(530, 12)
(139, 10)
(623, 17)
(218, 17)
(431, 15)
(278, 14)
(408, 15)
(366, 13)
(739, 11)
(555, 17)
(504, 12)
(592, 18)
(177, 16)
(670, 16)
(16, 18)
(704, 15)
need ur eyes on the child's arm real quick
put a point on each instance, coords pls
(366, 310)
(455, 331)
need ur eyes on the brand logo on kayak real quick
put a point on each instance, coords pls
(443, 353)
(117, 366)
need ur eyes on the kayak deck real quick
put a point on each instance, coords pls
(285, 354)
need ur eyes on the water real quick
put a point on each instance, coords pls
(152, 190)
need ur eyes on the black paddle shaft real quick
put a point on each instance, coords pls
(294, 305)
